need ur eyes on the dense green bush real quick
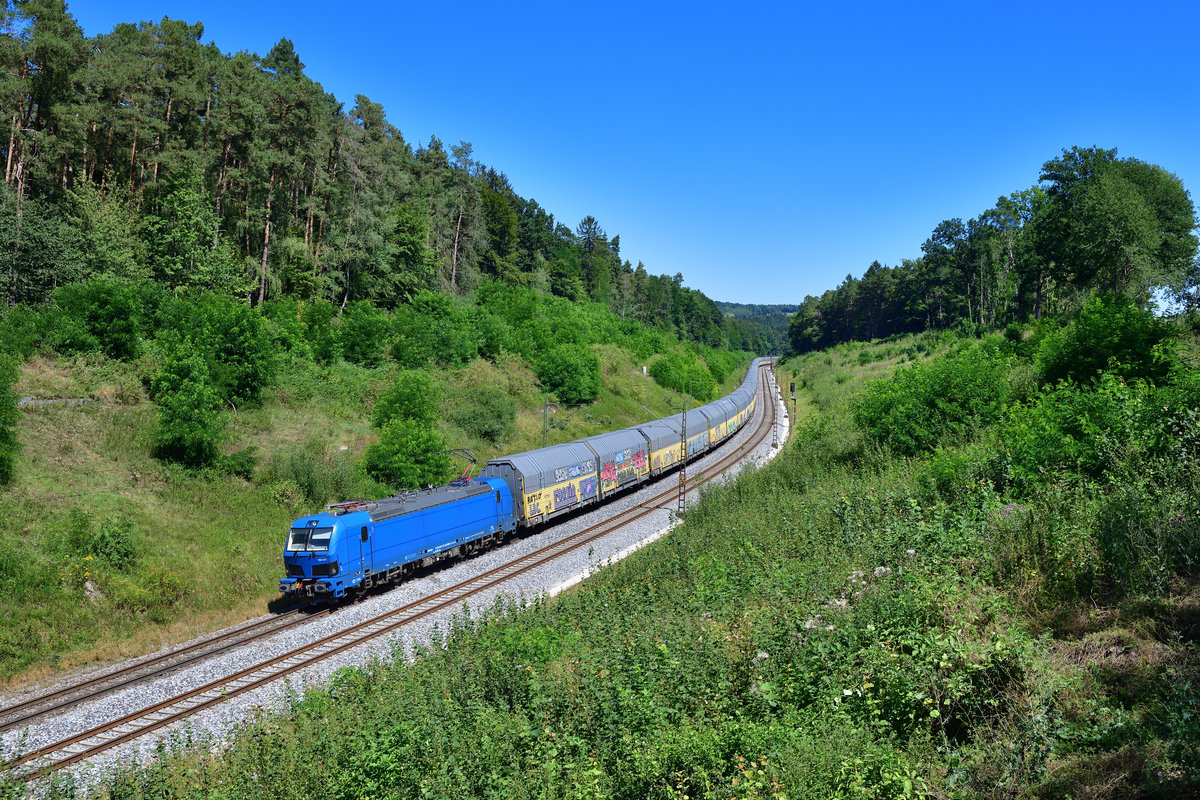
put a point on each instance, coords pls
(190, 422)
(571, 373)
(365, 331)
(433, 330)
(97, 315)
(721, 363)
(415, 395)
(923, 405)
(9, 417)
(679, 370)
(241, 463)
(319, 477)
(285, 327)
(1111, 333)
(233, 340)
(408, 455)
(115, 541)
(1089, 432)
(487, 413)
(320, 331)
(21, 331)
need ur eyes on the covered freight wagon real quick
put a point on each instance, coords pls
(550, 481)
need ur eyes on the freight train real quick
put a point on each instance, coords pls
(359, 544)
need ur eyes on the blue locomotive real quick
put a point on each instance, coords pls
(361, 543)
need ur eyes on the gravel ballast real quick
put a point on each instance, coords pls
(210, 727)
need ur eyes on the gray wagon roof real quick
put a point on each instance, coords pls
(545, 461)
(605, 444)
(662, 432)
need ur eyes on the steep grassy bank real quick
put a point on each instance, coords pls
(110, 552)
(846, 622)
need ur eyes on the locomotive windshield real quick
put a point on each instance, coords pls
(309, 539)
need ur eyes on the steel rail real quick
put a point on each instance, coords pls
(106, 683)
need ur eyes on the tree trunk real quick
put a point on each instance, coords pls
(1037, 303)
(12, 139)
(262, 273)
(220, 186)
(454, 252)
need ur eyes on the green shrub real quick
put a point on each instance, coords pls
(115, 541)
(415, 395)
(927, 404)
(571, 372)
(1111, 333)
(97, 315)
(364, 334)
(487, 413)
(241, 463)
(233, 340)
(408, 455)
(285, 327)
(492, 332)
(1077, 432)
(951, 473)
(189, 419)
(680, 371)
(10, 445)
(433, 330)
(321, 332)
(21, 331)
(315, 476)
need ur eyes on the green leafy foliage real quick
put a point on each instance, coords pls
(487, 413)
(1109, 333)
(323, 337)
(231, 338)
(190, 423)
(97, 315)
(114, 541)
(319, 477)
(679, 370)
(10, 417)
(570, 372)
(364, 334)
(433, 330)
(21, 331)
(408, 455)
(414, 395)
(923, 405)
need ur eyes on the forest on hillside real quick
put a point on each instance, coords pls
(145, 155)
(1094, 223)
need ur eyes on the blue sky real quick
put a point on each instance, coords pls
(763, 150)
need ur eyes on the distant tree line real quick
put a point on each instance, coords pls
(773, 318)
(143, 155)
(1094, 223)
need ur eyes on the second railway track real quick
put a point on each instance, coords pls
(49, 758)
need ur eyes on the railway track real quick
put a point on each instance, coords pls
(26, 712)
(50, 758)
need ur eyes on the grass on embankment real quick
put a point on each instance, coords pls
(109, 553)
(826, 627)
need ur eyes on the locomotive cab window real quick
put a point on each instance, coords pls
(309, 539)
